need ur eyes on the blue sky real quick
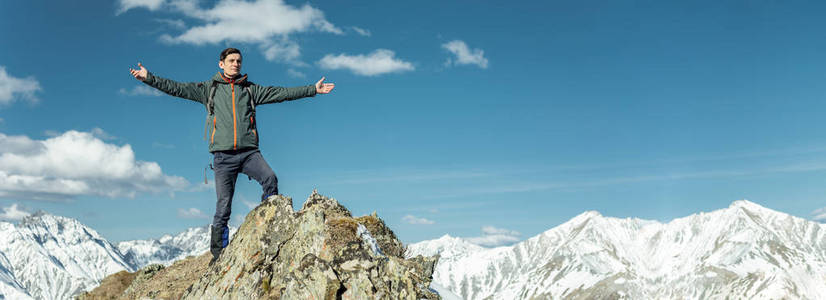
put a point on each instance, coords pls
(483, 120)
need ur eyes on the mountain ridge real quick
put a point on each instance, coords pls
(596, 256)
(738, 241)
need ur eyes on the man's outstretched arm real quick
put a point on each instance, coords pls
(275, 94)
(192, 90)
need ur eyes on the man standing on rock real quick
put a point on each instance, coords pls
(230, 100)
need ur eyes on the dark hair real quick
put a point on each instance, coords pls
(227, 52)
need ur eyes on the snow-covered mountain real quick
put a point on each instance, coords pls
(743, 251)
(167, 249)
(10, 288)
(52, 257)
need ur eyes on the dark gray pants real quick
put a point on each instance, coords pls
(227, 165)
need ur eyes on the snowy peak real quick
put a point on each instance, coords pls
(446, 244)
(744, 249)
(55, 257)
(45, 256)
(167, 249)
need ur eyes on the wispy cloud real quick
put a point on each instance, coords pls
(380, 61)
(295, 74)
(463, 55)
(282, 50)
(191, 213)
(247, 203)
(176, 23)
(12, 88)
(124, 5)
(622, 177)
(361, 31)
(411, 219)
(101, 134)
(406, 175)
(819, 214)
(494, 237)
(77, 163)
(140, 90)
(13, 213)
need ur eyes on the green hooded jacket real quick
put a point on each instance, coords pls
(232, 124)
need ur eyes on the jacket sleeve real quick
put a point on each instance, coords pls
(195, 91)
(275, 94)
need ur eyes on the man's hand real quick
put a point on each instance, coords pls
(141, 74)
(320, 86)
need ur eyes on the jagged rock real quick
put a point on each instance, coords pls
(319, 252)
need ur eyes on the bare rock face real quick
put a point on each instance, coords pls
(319, 252)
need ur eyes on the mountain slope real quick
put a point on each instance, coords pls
(744, 250)
(9, 287)
(167, 249)
(54, 257)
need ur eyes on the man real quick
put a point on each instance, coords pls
(233, 136)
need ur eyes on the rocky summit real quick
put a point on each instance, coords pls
(319, 252)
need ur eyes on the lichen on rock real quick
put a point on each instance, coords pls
(313, 253)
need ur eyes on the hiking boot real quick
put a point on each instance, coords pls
(216, 242)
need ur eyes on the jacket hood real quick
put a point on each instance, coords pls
(220, 78)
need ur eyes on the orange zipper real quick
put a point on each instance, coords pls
(234, 120)
(214, 127)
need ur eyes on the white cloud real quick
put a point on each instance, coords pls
(283, 50)
(140, 90)
(493, 237)
(378, 62)
(101, 134)
(191, 213)
(20, 87)
(295, 74)
(247, 203)
(13, 213)
(819, 214)
(407, 175)
(176, 23)
(125, 5)
(77, 163)
(410, 219)
(464, 55)
(248, 21)
(268, 23)
(361, 31)
(490, 230)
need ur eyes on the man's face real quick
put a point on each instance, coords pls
(231, 64)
